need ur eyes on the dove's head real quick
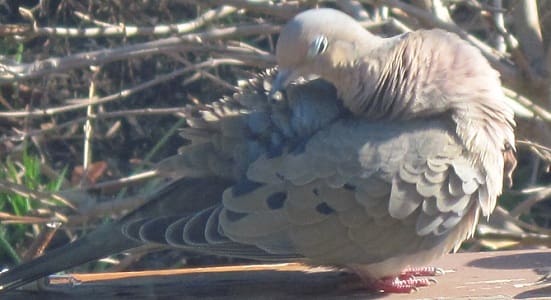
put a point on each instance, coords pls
(317, 41)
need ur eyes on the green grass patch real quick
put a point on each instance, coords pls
(27, 173)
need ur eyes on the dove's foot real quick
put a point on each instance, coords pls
(409, 280)
(404, 283)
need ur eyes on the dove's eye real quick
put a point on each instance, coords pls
(318, 46)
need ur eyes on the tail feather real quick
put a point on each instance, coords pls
(150, 231)
(181, 197)
(100, 243)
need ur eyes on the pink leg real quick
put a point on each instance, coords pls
(401, 284)
(407, 281)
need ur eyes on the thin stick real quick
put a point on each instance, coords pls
(187, 42)
(43, 197)
(130, 31)
(81, 103)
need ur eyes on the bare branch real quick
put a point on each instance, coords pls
(528, 32)
(129, 31)
(188, 42)
(283, 9)
(82, 103)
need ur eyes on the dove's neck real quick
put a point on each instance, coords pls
(370, 86)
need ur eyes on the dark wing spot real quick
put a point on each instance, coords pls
(316, 192)
(235, 216)
(276, 200)
(324, 209)
(348, 186)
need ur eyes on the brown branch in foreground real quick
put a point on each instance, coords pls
(528, 104)
(522, 224)
(285, 10)
(128, 31)
(43, 197)
(540, 150)
(189, 42)
(7, 218)
(82, 103)
(353, 8)
(528, 31)
(524, 206)
(41, 241)
(101, 116)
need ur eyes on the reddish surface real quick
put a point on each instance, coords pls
(484, 275)
(487, 275)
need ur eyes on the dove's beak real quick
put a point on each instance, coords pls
(284, 76)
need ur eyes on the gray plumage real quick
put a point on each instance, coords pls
(432, 84)
(388, 167)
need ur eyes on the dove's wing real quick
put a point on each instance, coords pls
(360, 193)
(357, 192)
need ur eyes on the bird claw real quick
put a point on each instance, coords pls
(408, 281)
(402, 285)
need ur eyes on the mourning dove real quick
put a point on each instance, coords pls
(387, 167)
